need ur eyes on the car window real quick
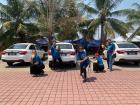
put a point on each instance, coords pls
(65, 46)
(32, 47)
(127, 45)
(18, 46)
(37, 47)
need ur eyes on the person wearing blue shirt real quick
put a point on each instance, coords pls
(55, 55)
(84, 62)
(37, 65)
(110, 51)
(100, 64)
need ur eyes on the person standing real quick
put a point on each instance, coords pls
(55, 55)
(84, 62)
(110, 52)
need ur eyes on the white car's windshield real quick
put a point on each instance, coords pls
(127, 45)
(64, 46)
(18, 46)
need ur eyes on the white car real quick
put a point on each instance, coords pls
(20, 52)
(126, 52)
(67, 52)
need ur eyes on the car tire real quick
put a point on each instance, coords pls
(136, 63)
(10, 63)
(74, 65)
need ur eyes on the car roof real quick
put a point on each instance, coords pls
(25, 43)
(123, 43)
(63, 43)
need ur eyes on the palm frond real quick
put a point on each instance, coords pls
(137, 32)
(137, 5)
(119, 26)
(108, 29)
(119, 12)
(88, 9)
(94, 25)
(113, 4)
(100, 4)
(85, 22)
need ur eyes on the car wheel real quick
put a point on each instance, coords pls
(10, 63)
(136, 63)
(74, 65)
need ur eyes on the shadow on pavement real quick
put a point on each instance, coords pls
(44, 75)
(116, 69)
(19, 65)
(65, 68)
(91, 79)
(127, 64)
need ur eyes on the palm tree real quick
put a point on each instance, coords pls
(104, 11)
(17, 14)
(133, 16)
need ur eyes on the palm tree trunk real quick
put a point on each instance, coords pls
(103, 39)
(102, 33)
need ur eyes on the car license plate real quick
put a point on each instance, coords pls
(12, 53)
(64, 54)
(132, 53)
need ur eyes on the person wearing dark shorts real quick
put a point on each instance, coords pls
(84, 62)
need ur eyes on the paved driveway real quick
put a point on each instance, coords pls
(65, 87)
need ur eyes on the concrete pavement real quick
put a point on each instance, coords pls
(18, 87)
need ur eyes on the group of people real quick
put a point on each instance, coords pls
(37, 65)
(98, 65)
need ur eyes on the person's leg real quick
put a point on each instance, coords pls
(54, 63)
(81, 71)
(84, 71)
(84, 74)
(31, 69)
(110, 62)
(81, 68)
(60, 62)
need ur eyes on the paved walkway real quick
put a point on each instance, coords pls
(67, 88)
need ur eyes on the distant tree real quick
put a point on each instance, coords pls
(16, 19)
(68, 23)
